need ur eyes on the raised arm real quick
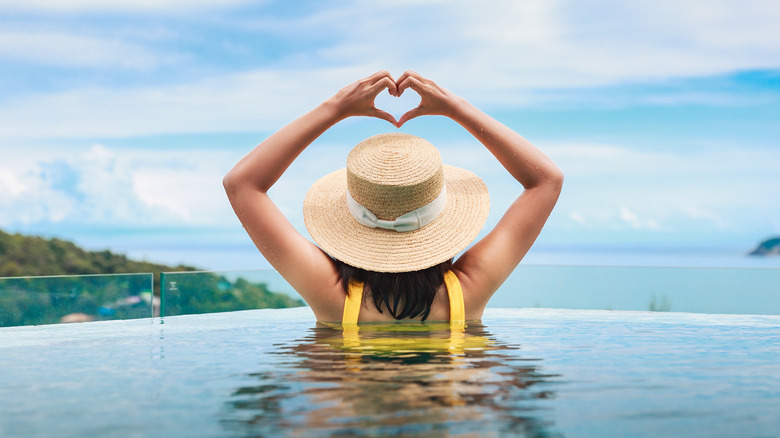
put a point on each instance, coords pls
(300, 262)
(488, 263)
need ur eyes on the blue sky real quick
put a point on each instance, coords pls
(118, 119)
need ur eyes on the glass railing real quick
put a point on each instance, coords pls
(698, 290)
(75, 298)
(184, 293)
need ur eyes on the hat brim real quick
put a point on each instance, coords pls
(340, 235)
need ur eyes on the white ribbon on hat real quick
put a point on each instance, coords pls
(411, 221)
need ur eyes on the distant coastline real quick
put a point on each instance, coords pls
(22, 255)
(53, 280)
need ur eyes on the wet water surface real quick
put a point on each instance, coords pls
(521, 372)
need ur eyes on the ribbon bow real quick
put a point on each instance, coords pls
(411, 221)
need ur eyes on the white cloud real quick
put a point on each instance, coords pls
(502, 52)
(81, 6)
(634, 221)
(610, 187)
(108, 187)
(190, 194)
(72, 50)
(698, 213)
(578, 217)
(686, 162)
(235, 102)
(503, 49)
(10, 183)
(570, 44)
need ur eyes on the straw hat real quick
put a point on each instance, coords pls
(395, 208)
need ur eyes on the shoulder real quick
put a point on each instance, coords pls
(321, 288)
(330, 309)
(475, 299)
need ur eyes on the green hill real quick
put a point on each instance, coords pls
(32, 255)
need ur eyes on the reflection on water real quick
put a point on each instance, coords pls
(394, 379)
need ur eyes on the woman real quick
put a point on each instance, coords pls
(374, 265)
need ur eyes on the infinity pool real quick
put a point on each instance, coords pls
(522, 372)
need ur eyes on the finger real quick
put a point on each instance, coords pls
(412, 113)
(407, 74)
(400, 80)
(410, 82)
(404, 78)
(383, 83)
(378, 76)
(385, 116)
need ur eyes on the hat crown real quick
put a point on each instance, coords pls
(393, 174)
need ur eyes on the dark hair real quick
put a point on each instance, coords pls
(404, 294)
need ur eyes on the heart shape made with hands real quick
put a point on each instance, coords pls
(397, 106)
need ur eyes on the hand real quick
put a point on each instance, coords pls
(357, 99)
(435, 100)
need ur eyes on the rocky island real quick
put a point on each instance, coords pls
(769, 247)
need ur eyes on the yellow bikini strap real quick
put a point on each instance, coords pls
(352, 303)
(457, 309)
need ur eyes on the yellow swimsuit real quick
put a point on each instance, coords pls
(457, 311)
(406, 338)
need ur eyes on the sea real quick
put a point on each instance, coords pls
(699, 280)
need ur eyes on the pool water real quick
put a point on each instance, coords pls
(521, 372)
